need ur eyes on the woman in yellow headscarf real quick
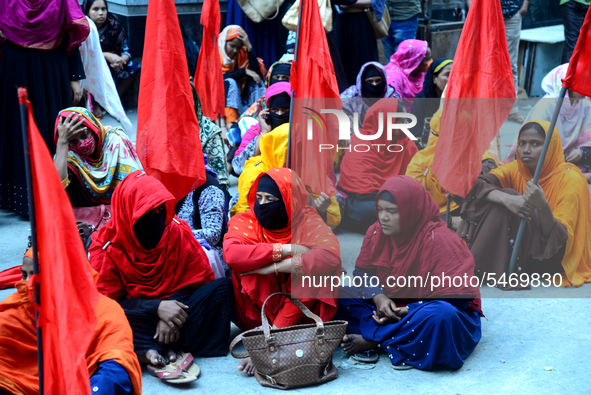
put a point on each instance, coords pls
(420, 168)
(557, 237)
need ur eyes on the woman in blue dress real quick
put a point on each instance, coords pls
(415, 297)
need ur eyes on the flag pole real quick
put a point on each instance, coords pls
(447, 209)
(536, 177)
(295, 59)
(24, 116)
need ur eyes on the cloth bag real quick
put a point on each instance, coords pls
(96, 216)
(259, 10)
(292, 357)
(290, 20)
(380, 28)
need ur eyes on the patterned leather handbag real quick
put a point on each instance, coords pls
(96, 216)
(292, 357)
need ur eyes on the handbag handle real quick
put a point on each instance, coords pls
(270, 339)
(262, 16)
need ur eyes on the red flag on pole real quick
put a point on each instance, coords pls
(315, 87)
(209, 80)
(478, 98)
(578, 76)
(68, 294)
(168, 133)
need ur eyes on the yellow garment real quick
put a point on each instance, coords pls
(420, 167)
(273, 147)
(333, 213)
(567, 192)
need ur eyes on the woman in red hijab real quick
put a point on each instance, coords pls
(418, 321)
(369, 163)
(272, 247)
(151, 263)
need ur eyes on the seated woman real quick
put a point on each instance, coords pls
(151, 263)
(557, 236)
(243, 72)
(573, 123)
(364, 171)
(271, 246)
(204, 210)
(91, 159)
(371, 86)
(430, 97)
(421, 169)
(112, 365)
(407, 69)
(415, 324)
(114, 44)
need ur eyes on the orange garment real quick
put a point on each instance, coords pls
(241, 61)
(421, 167)
(112, 340)
(567, 192)
(231, 114)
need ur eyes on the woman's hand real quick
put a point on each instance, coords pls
(114, 61)
(254, 76)
(172, 312)
(575, 156)
(265, 128)
(385, 311)
(534, 195)
(518, 205)
(245, 41)
(283, 266)
(322, 203)
(69, 128)
(295, 249)
(76, 91)
(165, 334)
(125, 59)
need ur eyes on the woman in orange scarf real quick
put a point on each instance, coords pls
(557, 238)
(112, 364)
(243, 72)
(274, 247)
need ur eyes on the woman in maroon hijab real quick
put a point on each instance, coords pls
(39, 51)
(417, 320)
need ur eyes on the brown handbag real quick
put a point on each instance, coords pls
(96, 216)
(380, 28)
(292, 357)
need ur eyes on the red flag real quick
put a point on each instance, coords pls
(168, 133)
(68, 294)
(578, 76)
(209, 80)
(478, 98)
(315, 86)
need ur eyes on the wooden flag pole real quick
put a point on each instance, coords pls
(24, 124)
(536, 177)
(295, 59)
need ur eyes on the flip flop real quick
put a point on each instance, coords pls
(369, 356)
(187, 364)
(171, 374)
(402, 367)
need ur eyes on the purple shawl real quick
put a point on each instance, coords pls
(41, 24)
(404, 61)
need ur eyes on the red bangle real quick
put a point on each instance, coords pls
(277, 252)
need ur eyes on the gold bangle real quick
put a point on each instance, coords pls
(275, 263)
(277, 252)
(66, 182)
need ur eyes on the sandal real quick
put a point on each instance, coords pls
(187, 364)
(516, 118)
(402, 367)
(171, 374)
(369, 356)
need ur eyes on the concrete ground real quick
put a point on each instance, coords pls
(533, 342)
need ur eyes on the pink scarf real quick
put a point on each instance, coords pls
(403, 62)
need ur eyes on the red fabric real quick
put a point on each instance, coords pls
(248, 246)
(578, 77)
(315, 86)
(67, 291)
(125, 268)
(366, 172)
(168, 142)
(9, 277)
(424, 247)
(209, 79)
(478, 98)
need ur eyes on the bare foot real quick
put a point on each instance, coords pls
(246, 366)
(172, 355)
(153, 358)
(353, 344)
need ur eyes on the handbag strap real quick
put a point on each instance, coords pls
(262, 16)
(266, 328)
(240, 355)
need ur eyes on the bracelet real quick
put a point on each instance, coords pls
(276, 252)
(297, 264)
(66, 182)
(275, 263)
